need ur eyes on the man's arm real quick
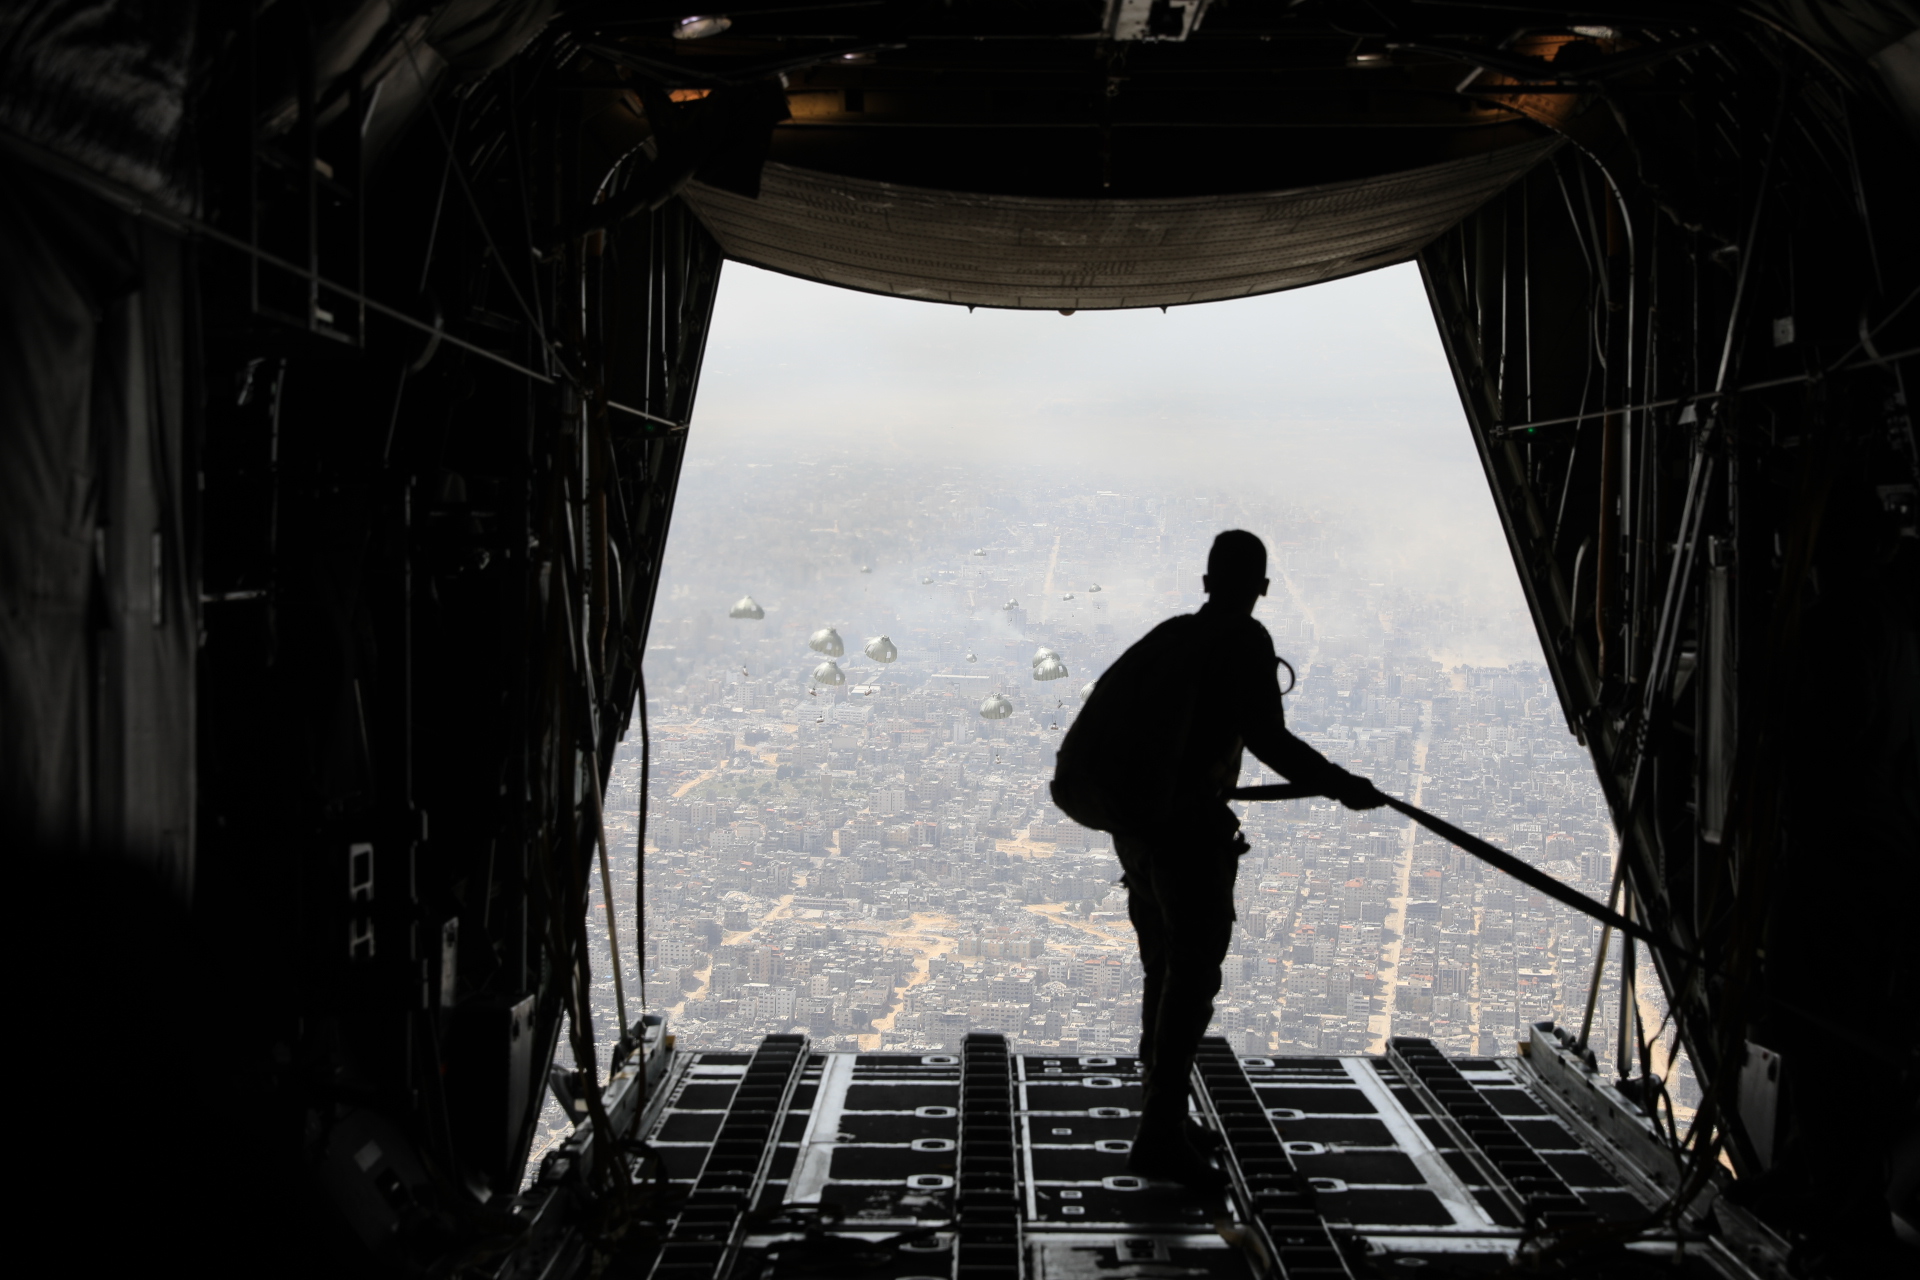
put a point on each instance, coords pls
(1265, 732)
(1279, 749)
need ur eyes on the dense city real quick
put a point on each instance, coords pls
(863, 847)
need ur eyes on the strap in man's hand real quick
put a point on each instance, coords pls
(1499, 859)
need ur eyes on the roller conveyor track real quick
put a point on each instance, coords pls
(987, 1213)
(705, 1235)
(1274, 1200)
(1528, 1184)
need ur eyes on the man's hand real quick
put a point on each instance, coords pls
(1354, 791)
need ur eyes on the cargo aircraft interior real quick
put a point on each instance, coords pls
(347, 361)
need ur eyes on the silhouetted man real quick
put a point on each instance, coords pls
(1151, 759)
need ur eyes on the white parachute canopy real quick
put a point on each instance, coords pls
(1040, 655)
(1086, 690)
(926, 582)
(826, 640)
(1067, 596)
(1011, 604)
(972, 656)
(979, 551)
(995, 707)
(1051, 669)
(829, 673)
(745, 607)
(881, 649)
(866, 568)
(1095, 587)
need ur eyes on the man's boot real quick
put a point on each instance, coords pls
(1162, 1149)
(1201, 1138)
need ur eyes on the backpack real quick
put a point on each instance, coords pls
(1103, 779)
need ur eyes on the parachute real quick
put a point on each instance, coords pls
(1051, 669)
(995, 707)
(1040, 655)
(1067, 596)
(926, 582)
(829, 673)
(826, 640)
(881, 649)
(745, 607)
(972, 657)
(1086, 690)
(979, 551)
(1011, 604)
(1094, 588)
(866, 568)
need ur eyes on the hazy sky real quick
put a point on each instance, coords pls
(1336, 397)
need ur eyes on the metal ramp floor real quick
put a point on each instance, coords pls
(990, 1165)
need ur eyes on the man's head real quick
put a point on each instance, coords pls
(1236, 568)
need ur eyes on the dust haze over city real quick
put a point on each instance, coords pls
(877, 862)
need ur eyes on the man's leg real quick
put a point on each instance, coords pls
(1196, 901)
(1149, 929)
(1193, 900)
